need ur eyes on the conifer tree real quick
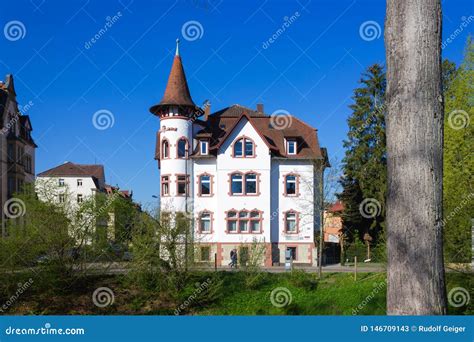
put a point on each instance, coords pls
(364, 165)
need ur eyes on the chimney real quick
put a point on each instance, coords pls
(207, 110)
(260, 107)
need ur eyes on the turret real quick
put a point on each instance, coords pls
(177, 113)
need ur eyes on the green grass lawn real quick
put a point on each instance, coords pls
(233, 293)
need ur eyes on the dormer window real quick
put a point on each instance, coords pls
(291, 147)
(204, 147)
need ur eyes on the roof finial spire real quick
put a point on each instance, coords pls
(177, 47)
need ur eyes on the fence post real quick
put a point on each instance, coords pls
(215, 261)
(355, 268)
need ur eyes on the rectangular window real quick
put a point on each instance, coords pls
(10, 152)
(61, 181)
(205, 185)
(79, 198)
(11, 186)
(182, 185)
(205, 253)
(291, 147)
(205, 222)
(250, 183)
(290, 181)
(243, 221)
(232, 226)
(79, 182)
(204, 147)
(62, 198)
(255, 221)
(291, 226)
(292, 251)
(236, 185)
(165, 185)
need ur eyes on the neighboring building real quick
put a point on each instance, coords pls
(17, 147)
(244, 176)
(77, 183)
(333, 232)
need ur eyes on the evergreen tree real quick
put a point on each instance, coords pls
(364, 164)
(458, 191)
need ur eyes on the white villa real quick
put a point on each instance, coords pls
(244, 175)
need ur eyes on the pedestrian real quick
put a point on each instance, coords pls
(234, 258)
(231, 263)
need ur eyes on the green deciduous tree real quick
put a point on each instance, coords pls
(458, 163)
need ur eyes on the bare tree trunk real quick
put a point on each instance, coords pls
(416, 282)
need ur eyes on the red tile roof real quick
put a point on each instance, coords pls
(71, 169)
(336, 207)
(219, 125)
(177, 90)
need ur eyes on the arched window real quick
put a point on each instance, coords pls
(165, 149)
(244, 148)
(182, 148)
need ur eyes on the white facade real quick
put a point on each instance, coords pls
(73, 189)
(246, 179)
(270, 200)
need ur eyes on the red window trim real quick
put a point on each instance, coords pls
(187, 185)
(244, 137)
(243, 183)
(297, 184)
(211, 213)
(198, 182)
(297, 217)
(168, 149)
(237, 219)
(169, 185)
(186, 148)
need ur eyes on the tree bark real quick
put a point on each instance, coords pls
(416, 280)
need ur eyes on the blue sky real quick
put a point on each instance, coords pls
(309, 70)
